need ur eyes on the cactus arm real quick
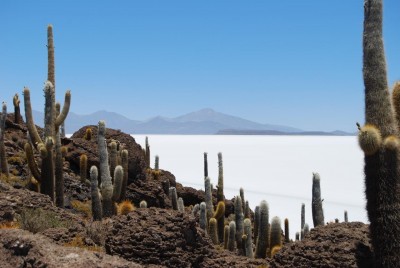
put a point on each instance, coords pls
(213, 231)
(33, 133)
(50, 55)
(220, 211)
(65, 110)
(96, 200)
(31, 162)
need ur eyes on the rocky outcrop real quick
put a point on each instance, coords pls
(19, 248)
(170, 238)
(332, 245)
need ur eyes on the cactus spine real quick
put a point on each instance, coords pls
(263, 231)
(381, 169)
(287, 239)
(276, 233)
(3, 157)
(174, 198)
(232, 236)
(83, 167)
(97, 211)
(317, 211)
(248, 242)
(213, 231)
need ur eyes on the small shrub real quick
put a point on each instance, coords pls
(38, 220)
(78, 242)
(96, 231)
(9, 225)
(84, 208)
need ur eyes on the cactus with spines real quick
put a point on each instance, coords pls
(125, 167)
(3, 157)
(306, 229)
(59, 177)
(17, 109)
(53, 120)
(247, 210)
(147, 152)
(208, 198)
(316, 205)
(181, 205)
(205, 165)
(88, 134)
(118, 180)
(248, 243)
(382, 169)
(195, 210)
(220, 211)
(239, 218)
(83, 167)
(113, 155)
(287, 239)
(226, 236)
(173, 197)
(369, 139)
(143, 204)
(220, 195)
(232, 236)
(212, 228)
(125, 207)
(157, 163)
(241, 192)
(346, 218)
(256, 222)
(97, 210)
(396, 102)
(263, 231)
(203, 216)
(276, 233)
(303, 215)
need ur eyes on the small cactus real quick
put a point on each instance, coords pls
(276, 233)
(263, 231)
(203, 217)
(143, 204)
(248, 242)
(97, 211)
(181, 205)
(220, 195)
(205, 165)
(195, 210)
(88, 134)
(287, 239)
(241, 191)
(125, 207)
(147, 153)
(232, 236)
(17, 110)
(239, 218)
(157, 163)
(173, 197)
(220, 211)
(213, 231)
(208, 198)
(346, 219)
(256, 221)
(3, 157)
(297, 236)
(303, 215)
(306, 229)
(83, 167)
(317, 211)
(226, 236)
(125, 167)
(113, 156)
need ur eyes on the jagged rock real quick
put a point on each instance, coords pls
(332, 245)
(170, 238)
(19, 248)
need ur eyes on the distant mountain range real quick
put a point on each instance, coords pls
(205, 121)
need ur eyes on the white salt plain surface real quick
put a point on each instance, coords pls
(277, 169)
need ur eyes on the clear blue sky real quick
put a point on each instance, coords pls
(291, 62)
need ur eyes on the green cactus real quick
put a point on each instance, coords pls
(316, 205)
(157, 163)
(248, 242)
(239, 218)
(287, 239)
(256, 221)
(232, 236)
(203, 216)
(220, 195)
(241, 192)
(59, 176)
(173, 197)
(263, 231)
(143, 204)
(208, 198)
(17, 109)
(125, 166)
(118, 180)
(213, 231)
(226, 236)
(382, 174)
(205, 166)
(303, 215)
(247, 210)
(276, 233)
(3, 157)
(95, 194)
(83, 167)
(220, 211)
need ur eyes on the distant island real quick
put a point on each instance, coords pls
(201, 122)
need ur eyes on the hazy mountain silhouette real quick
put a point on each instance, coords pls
(205, 121)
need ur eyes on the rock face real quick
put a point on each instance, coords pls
(77, 145)
(170, 238)
(19, 248)
(332, 245)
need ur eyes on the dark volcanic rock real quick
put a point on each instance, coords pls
(332, 245)
(170, 238)
(19, 248)
(77, 145)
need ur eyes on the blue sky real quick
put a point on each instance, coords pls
(290, 62)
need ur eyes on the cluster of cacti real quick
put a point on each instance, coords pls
(380, 142)
(317, 211)
(3, 157)
(111, 192)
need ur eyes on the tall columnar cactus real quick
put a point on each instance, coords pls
(220, 195)
(17, 109)
(247, 210)
(263, 231)
(3, 157)
(113, 157)
(382, 174)
(97, 210)
(125, 166)
(232, 236)
(181, 205)
(276, 233)
(226, 236)
(239, 218)
(59, 176)
(213, 231)
(46, 147)
(248, 242)
(203, 216)
(317, 211)
(173, 197)
(208, 198)
(157, 163)
(256, 222)
(346, 218)
(287, 236)
(118, 180)
(303, 215)
(306, 229)
(205, 165)
(241, 191)
(83, 167)
(147, 153)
